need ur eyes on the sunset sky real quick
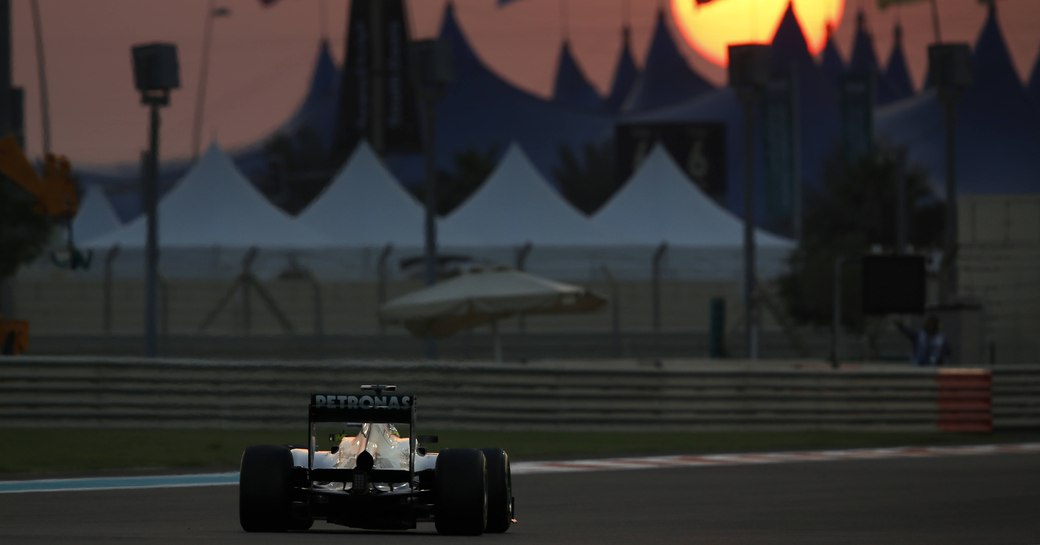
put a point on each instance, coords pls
(262, 57)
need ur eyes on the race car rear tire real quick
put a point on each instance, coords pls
(264, 484)
(462, 503)
(499, 491)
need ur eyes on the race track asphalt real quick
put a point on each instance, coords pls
(944, 500)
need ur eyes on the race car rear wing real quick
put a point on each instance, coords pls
(375, 407)
(378, 407)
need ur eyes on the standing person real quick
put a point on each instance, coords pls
(931, 348)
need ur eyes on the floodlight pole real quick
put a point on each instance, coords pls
(7, 125)
(151, 210)
(748, 75)
(6, 103)
(156, 72)
(950, 65)
(949, 283)
(750, 310)
(431, 70)
(430, 205)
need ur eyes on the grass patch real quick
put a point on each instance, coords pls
(35, 452)
(80, 450)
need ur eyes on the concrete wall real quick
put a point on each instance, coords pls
(999, 267)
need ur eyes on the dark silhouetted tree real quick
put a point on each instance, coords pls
(299, 168)
(470, 168)
(854, 212)
(587, 181)
(24, 233)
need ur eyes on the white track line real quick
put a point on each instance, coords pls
(621, 464)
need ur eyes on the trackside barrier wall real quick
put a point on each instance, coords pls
(965, 400)
(607, 395)
(1016, 397)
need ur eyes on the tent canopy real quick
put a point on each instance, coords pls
(625, 74)
(96, 217)
(516, 205)
(831, 63)
(996, 126)
(486, 113)
(666, 77)
(897, 84)
(572, 89)
(215, 206)
(364, 205)
(659, 204)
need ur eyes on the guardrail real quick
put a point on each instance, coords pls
(1016, 397)
(607, 395)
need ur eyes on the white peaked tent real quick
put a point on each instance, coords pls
(660, 204)
(364, 205)
(96, 217)
(514, 206)
(213, 205)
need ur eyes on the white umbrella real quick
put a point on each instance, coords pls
(476, 298)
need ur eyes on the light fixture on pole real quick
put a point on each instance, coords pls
(156, 73)
(748, 76)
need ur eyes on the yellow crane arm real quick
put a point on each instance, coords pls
(56, 198)
(55, 192)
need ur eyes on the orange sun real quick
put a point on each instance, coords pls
(710, 28)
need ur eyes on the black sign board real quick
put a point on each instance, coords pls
(893, 284)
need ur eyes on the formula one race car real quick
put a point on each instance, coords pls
(373, 476)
